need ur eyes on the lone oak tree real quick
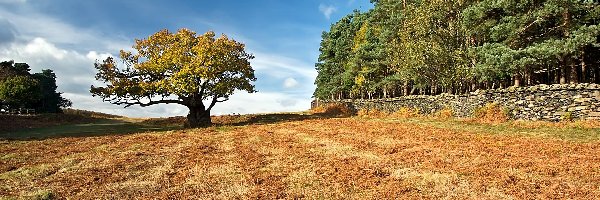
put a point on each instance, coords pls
(178, 68)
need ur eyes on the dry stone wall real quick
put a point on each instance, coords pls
(540, 102)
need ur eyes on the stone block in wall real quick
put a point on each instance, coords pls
(594, 114)
(546, 102)
(595, 95)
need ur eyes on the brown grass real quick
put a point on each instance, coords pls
(444, 114)
(491, 113)
(341, 158)
(10, 123)
(586, 124)
(402, 113)
(87, 113)
(334, 109)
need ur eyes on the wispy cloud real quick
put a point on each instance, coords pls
(281, 66)
(327, 10)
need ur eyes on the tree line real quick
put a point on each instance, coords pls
(438, 46)
(19, 89)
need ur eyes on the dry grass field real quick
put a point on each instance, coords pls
(303, 157)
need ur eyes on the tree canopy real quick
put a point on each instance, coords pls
(178, 68)
(20, 89)
(429, 47)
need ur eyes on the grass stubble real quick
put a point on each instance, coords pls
(337, 158)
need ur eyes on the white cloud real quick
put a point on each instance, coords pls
(93, 55)
(33, 25)
(39, 46)
(290, 83)
(327, 10)
(282, 67)
(262, 102)
(75, 71)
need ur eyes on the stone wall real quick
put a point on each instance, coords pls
(540, 102)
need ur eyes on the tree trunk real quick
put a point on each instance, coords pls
(563, 75)
(597, 74)
(549, 78)
(385, 93)
(584, 71)
(405, 88)
(517, 80)
(198, 117)
(566, 26)
(573, 73)
(556, 76)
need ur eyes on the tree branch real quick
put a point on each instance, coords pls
(138, 102)
(214, 101)
(203, 87)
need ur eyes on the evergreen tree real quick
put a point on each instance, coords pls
(20, 89)
(429, 47)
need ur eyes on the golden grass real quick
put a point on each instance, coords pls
(341, 158)
(491, 113)
(334, 109)
(402, 113)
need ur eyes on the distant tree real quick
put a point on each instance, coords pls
(20, 92)
(10, 68)
(178, 68)
(51, 101)
(20, 89)
(336, 77)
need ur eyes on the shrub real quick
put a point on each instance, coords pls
(444, 114)
(567, 116)
(491, 113)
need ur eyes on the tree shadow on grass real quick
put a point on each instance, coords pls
(99, 127)
(107, 127)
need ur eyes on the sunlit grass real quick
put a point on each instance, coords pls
(572, 131)
(340, 158)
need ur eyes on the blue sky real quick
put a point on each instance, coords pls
(69, 35)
